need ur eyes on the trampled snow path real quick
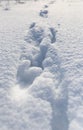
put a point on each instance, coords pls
(42, 59)
(41, 72)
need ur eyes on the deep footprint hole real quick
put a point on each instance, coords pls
(43, 13)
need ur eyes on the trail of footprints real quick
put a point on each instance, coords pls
(34, 53)
(39, 57)
(44, 12)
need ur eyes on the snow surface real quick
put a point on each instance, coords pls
(41, 65)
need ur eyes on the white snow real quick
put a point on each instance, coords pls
(41, 65)
(18, 94)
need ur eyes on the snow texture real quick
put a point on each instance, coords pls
(41, 65)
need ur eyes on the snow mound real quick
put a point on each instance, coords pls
(18, 94)
(43, 88)
(27, 74)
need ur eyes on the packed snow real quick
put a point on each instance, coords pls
(41, 65)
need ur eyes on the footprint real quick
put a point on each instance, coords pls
(39, 40)
(32, 25)
(40, 58)
(35, 34)
(44, 13)
(46, 6)
(32, 59)
(27, 74)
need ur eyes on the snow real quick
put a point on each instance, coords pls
(18, 94)
(41, 65)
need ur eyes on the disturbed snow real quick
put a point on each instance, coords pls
(41, 63)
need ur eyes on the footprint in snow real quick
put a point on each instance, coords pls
(37, 34)
(31, 68)
(43, 13)
(27, 74)
(46, 6)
